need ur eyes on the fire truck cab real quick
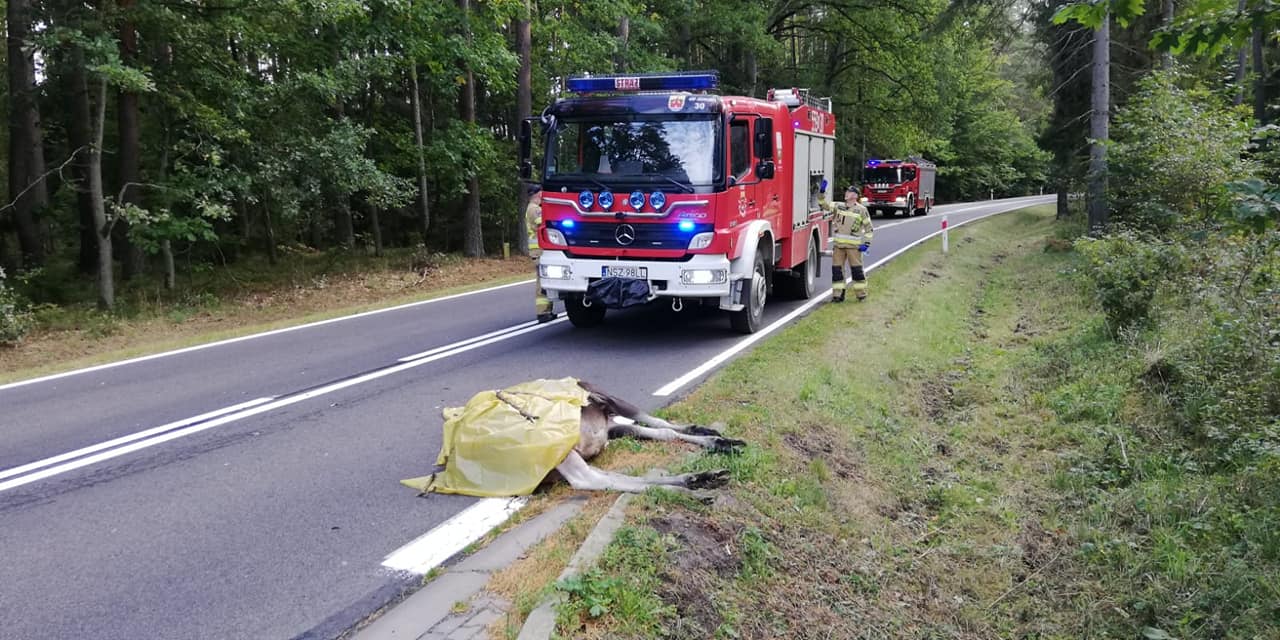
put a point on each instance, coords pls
(899, 186)
(654, 187)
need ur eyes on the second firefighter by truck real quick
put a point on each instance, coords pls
(851, 237)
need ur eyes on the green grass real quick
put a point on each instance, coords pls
(970, 454)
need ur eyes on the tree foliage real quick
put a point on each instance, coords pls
(258, 125)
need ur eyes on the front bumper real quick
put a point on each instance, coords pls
(665, 278)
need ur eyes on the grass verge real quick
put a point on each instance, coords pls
(953, 459)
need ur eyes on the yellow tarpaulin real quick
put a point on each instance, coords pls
(503, 443)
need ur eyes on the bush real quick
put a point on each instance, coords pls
(1175, 150)
(1124, 270)
(15, 319)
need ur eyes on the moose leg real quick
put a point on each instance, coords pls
(585, 477)
(713, 442)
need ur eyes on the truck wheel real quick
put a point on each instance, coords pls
(911, 207)
(581, 315)
(751, 317)
(803, 284)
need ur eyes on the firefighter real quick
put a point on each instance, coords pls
(851, 236)
(542, 305)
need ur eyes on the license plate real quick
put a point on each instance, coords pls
(638, 273)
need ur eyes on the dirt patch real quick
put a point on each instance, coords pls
(705, 553)
(815, 442)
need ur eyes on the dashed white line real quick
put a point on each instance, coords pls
(227, 415)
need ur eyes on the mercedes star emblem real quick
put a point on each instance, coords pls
(625, 234)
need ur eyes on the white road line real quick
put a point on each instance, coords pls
(129, 438)
(453, 535)
(720, 358)
(431, 352)
(269, 405)
(264, 334)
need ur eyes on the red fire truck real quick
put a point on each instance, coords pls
(656, 188)
(899, 186)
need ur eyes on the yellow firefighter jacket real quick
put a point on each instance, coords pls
(851, 225)
(532, 220)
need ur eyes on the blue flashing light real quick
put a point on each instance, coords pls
(605, 200)
(585, 199)
(686, 225)
(873, 163)
(636, 200)
(658, 199)
(566, 224)
(690, 81)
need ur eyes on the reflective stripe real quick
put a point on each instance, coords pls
(839, 286)
(859, 285)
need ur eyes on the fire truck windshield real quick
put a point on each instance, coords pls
(615, 150)
(889, 175)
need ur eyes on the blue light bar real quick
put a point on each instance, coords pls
(658, 199)
(689, 81)
(566, 224)
(686, 225)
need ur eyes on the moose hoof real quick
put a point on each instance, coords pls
(699, 430)
(727, 445)
(707, 479)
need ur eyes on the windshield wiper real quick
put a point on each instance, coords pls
(683, 187)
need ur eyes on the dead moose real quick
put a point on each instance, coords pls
(508, 442)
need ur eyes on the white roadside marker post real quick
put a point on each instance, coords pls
(944, 234)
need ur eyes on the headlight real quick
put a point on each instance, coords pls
(899, 199)
(702, 240)
(864, 200)
(555, 237)
(704, 276)
(605, 200)
(554, 271)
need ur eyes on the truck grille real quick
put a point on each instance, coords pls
(612, 235)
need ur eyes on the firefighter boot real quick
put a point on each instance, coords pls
(859, 284)
(837, 284)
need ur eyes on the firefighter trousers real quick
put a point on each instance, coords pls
(846, 254)
(541, 303)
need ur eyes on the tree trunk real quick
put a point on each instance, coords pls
(28, 192)
(1166, 19)
(106, 284)
(1064, 203)
(1242, 62)
(472, 240)
(624, 38)
(80, 143)
(1099, 126)
(753, 73)
(375, 222)
(128, 153)
(1260, 80)
(269, 233)
(524, 108)
(342, 223)
(170, 275)
(424, 204)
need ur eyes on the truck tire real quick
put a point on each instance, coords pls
(581, 315)
(755, 290)
(911, 206)
(803, 282)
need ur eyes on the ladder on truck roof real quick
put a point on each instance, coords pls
(794, 98)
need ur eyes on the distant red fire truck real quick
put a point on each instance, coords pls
(899, 186)
(656, 188)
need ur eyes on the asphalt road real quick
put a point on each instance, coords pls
(269, 514)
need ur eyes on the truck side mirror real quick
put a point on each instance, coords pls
(526, 148)
(764, 169)
(764, 140)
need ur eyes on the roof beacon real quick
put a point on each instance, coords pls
(688, 81)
